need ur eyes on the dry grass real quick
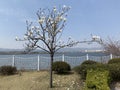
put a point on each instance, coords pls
(39, 81)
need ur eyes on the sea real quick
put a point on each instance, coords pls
(41, 61)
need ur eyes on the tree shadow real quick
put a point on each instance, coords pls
(64, 73)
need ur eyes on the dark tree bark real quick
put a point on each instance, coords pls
(51, 75)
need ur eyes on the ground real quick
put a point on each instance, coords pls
(115, 86)
(40, 81)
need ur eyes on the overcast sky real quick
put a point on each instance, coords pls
(86, 17)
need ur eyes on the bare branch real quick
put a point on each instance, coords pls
(112, 46)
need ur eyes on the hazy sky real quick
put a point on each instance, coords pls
(99, 17)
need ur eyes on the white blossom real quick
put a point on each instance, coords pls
(38, 27)
(40, 21)
(38, 30)
(64, 19)
(16, 38)
(49, 18)
(58, 13)
(49, 39)
(54, 9)
(25, 37)
(53, 25)
(51, 21)
(33, 27)
(61, 18)
(42, 13)
(60, 30)
(64, 6)
(29, 33)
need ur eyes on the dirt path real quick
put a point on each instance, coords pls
(38, 81)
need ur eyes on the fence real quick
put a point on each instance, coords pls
(38, 62)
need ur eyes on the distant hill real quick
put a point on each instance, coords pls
(10, 51)
(22, 51)
(79, 49)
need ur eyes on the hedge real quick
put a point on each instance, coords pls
(97, 80)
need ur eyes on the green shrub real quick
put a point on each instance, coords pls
(89, 62)
(114, 60)
(7, 70)
(114, 70)
(76, 69)
(82, 69)
(61, 67)
(97, 80)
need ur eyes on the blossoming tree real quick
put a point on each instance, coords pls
(47, 35)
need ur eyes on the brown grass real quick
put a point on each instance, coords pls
(39, 81)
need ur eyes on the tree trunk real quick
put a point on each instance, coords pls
(51, 63)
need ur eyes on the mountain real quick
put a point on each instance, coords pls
(5, 49)
(22, 51)
(80, 49)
